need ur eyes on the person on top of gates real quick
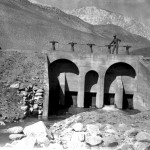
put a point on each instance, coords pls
(115, 44)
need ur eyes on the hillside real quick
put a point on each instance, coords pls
(27, 26)
(96, 16)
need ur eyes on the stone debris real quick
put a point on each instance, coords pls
(16, 136)
(93, 140)
(36, 129)
(143, 137)
(15, 85)
(78, 127)
(72, 133)
(93, 129)
(32, 99)
(14, 130)
(110, 141)
(142, 146)
(2, 123)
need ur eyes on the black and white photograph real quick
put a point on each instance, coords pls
(75, 74)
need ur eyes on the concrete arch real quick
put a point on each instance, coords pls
(63, 90)
(90, 88)
(130, 63)
(72, 57)
(119, 85)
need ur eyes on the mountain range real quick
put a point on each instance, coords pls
(28, 26)
(97, 16)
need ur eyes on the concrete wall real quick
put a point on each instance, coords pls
(99, 65)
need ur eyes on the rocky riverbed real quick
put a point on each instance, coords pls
(95, 130)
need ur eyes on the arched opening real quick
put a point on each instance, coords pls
(119, 85)
(91, 79)
(63, 87)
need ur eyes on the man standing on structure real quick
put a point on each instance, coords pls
(115, 44)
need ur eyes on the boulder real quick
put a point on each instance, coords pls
(15, 85)
(78, 136)
(27, 142)
(126, 147)
(142, 146)
(78, 127)
(24, 93)
(43, 140)
(40, 91)
(111, 131)
(38, 97)
(143, 137)
(110, 141)
(38, 94)
(24, 107)
(36, 129)
(131, 133)
(92, 129)
(93, 140)
(2, 123)
(16, 136)
(35, 106)
(15, 130)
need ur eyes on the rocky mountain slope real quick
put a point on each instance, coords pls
(96, 16)
(28, 26)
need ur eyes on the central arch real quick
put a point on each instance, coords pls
(119, 85)
(90, 88)
(63, 87)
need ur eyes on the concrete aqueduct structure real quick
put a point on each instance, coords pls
(91, 80)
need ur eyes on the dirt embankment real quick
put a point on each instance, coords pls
(18, 67)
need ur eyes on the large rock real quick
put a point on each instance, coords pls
(24, 93)
(110, 141)
(35, 106)
(142, 146)
(16, 136)
(27, 142)
(131, 133)
(93, 140)
(43, 141)
(24, 107)
(15, 85)
(36, 129)
(15, 130)
(78, 127)
(38, 97)
(38, 94)
(111, 131)
(2, 123)
(78, 136)
(93, 129)
(40, 91)
(126, 147)
(143, 137)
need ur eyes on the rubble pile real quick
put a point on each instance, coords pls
(31, 99)
(72, 133)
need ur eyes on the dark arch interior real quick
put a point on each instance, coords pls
(60, 96)
(91, 79)
(128, 74)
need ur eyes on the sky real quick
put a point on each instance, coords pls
(139, 9)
